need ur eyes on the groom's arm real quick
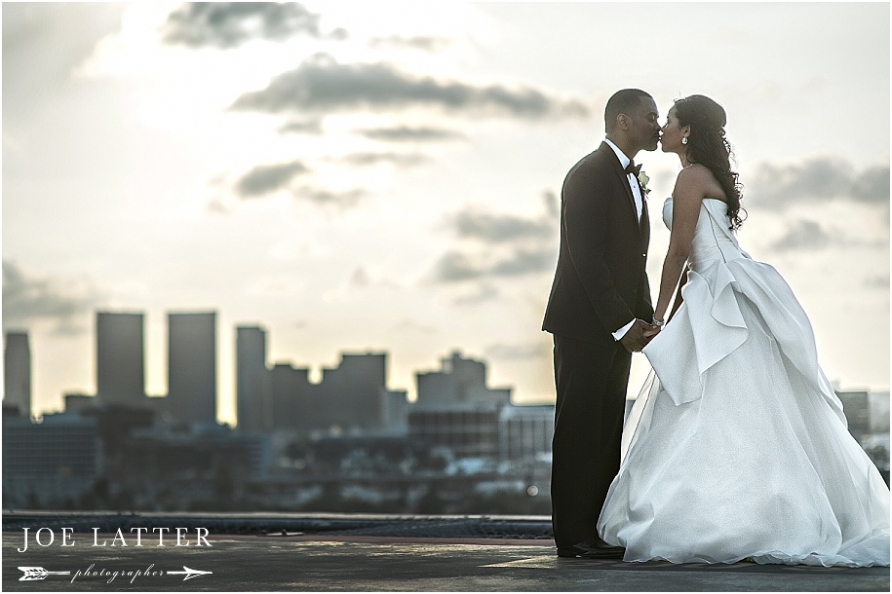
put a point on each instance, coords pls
(585, 219)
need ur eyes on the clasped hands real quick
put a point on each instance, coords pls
(639, 335)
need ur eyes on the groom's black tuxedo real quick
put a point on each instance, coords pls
(599, 286)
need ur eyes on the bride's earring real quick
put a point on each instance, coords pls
(684, 140)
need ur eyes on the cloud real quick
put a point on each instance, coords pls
(815, 180)
(412, 326)
(226, 25)
(264, 179)
(552, 206)
(402, 160)
(524, 351)
(512, 246)
(805, 235)
(344, 199)
(455, 266)
(526, 261)
(483, 292)
(405, 133)
(877, 282)
(492, 228)
(427, 44)
(302, 127)
(359, 279)
(28, 300)
(217, 206)
(872, 185)
(323, 85)
(43, 43)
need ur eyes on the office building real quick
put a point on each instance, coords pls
(459, 380)
(856, 407)
(352, 392)
(525, 431)
(252, 399)
(394, 410)
(466, 429)
(17, 373)
(120, 358)
(51, 462)
(292, 399)
(192, 367)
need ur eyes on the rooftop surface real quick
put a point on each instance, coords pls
(326, 552)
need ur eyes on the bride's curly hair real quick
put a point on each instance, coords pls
(708, 146)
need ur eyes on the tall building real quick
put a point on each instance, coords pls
(252, 399)
(293, 400)
(17, 373)
(352, 391)
(856, 407)
(120, 358)
(460, 380)
(192, 367)
(352, 395)
(394, 410)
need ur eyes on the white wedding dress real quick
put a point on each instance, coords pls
(737, 446)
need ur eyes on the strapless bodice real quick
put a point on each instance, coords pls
(713, 238)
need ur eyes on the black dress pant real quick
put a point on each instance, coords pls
(591, 381)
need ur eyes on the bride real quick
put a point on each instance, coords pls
(737, 446)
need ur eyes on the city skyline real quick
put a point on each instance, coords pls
(414, 209)
(262, 385)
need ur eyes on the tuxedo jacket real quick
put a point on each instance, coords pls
(600, 283)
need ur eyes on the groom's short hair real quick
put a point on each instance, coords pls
(625, 101)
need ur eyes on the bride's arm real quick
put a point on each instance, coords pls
(686, 198)
(676, 303)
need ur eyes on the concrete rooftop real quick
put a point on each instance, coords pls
(267, 552)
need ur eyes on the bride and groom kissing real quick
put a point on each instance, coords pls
(737, 447)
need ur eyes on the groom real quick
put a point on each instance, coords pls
(599, 312)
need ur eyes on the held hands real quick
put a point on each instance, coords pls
(639, 335)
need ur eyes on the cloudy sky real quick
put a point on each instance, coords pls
(370, 176)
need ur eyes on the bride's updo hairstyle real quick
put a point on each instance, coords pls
(708, 146)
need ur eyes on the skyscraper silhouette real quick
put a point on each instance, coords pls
(17, 372)
(252, 398)
(120, 358)
(192, 367)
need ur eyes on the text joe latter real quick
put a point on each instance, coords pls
(157, 537)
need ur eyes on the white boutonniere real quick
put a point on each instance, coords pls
(642, 183)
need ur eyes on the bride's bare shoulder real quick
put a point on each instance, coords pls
(696, 181)
(695, 174)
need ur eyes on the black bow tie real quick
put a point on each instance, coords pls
(632, 168)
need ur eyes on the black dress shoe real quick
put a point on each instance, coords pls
(592, 549)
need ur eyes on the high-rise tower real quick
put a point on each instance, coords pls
(252, 402)
(192, 366)
(17, 372)
(120, 358)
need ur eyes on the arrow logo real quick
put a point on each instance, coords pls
(36, 574)
(189, 573)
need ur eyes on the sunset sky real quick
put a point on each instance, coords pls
(384, 176)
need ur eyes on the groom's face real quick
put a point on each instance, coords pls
(644, 130)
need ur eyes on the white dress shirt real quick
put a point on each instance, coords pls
(636, 193)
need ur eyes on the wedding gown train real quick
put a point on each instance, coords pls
(737, 446)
